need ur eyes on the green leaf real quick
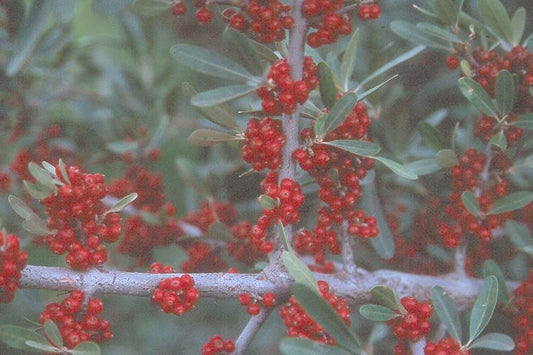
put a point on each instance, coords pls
(477, 96)
(397, 168)
(267, 202)
(518, 24)
(283, 238)
(189, 173)
(337, 114)
(483, 307)
(366, 93)
(302, 346)
(63, 170)
(221, 95)
(26, 40)
(34, 224)
(49, 167)
(511, 202)
(494, 14)
(437, 32)
(490, 267)
(123, 202)
(41, 346)
(423, 166)
(321, 311)
(447, 11)
(518, 234)
(499, 140)
(348, 59)
(383, 244)
(431, 136)
(447, 312)
(52, 333)
(357, 147)
(264, 51)
(377, 313)
(494, 341)
(37, 191)
(411, 33)
(121, 147)
(16, 337)
(387, 297)
(505, 92)
(19, 206)
(471, 203)
(209, 62)
(326, 81)
(446, 158)
(208, 137)
(241, 44)
(42, 176)
(524, 121)
(151, 7)
(438, 253)
(219, 231)
(218, 114)
(299, 271)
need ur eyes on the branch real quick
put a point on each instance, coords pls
(251, 329)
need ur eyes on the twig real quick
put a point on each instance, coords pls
(251, 329)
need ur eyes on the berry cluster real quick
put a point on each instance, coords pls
(446, 346)
(288, 197)
(241, 246)
(12, 262)
(414, 323)
(76, 212)
(263, 143)
(5, 181)
(331, 20)
(300, 324)
(217, 345)
(268, 19)
(175, 295)
(486, 128)
(252, 304)
(78, 321)
(282, 93)
(203, 258)
(203, 14)
(523, 316)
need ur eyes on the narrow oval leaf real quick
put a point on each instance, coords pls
(366, 93)
(41, 346)
(423, 166)
(437, 32)
(524, 121)
(447, 11)
(86, 348)
(518, 234)
(326, 82)
(151, 7)
(320, 310)
(218, 114)
(265, 52)
(41, 175)
(208, 137)
(37, 191)
(19, 206)
(34, 224)
(471, 203)
(348, 59)
(52, 333)
(511, 202)
(397, 168)
(267, 202)
(494, 341)
(477, 96)
(283, 237)
(299, 271)
(220, 95)
(123, 202)
(377, 313)
(505, 92)
(490, 267)
(483, 307)
(361, 148)
(209, 62)
(16, 337)
(241, 44)
(63, 170)
(518, 24)
(499, 140)
(495, 16)
(447, 311)
(336, 115)
(431, 136)
(301, 346)
(411, 33)
(446, 158)
(121, 147)
(386, 297)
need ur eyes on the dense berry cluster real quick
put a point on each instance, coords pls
(78, 321)
(263, 143)
(76, 212)
(331, 19)
(176, 295)
(414, 323)
(446, 346)
(300, 324)
(282, 93)
(217, 345)
(241, 247)
(472, 174)
(267, 19)
(12, 261)
(487, 126)
(523, 316)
